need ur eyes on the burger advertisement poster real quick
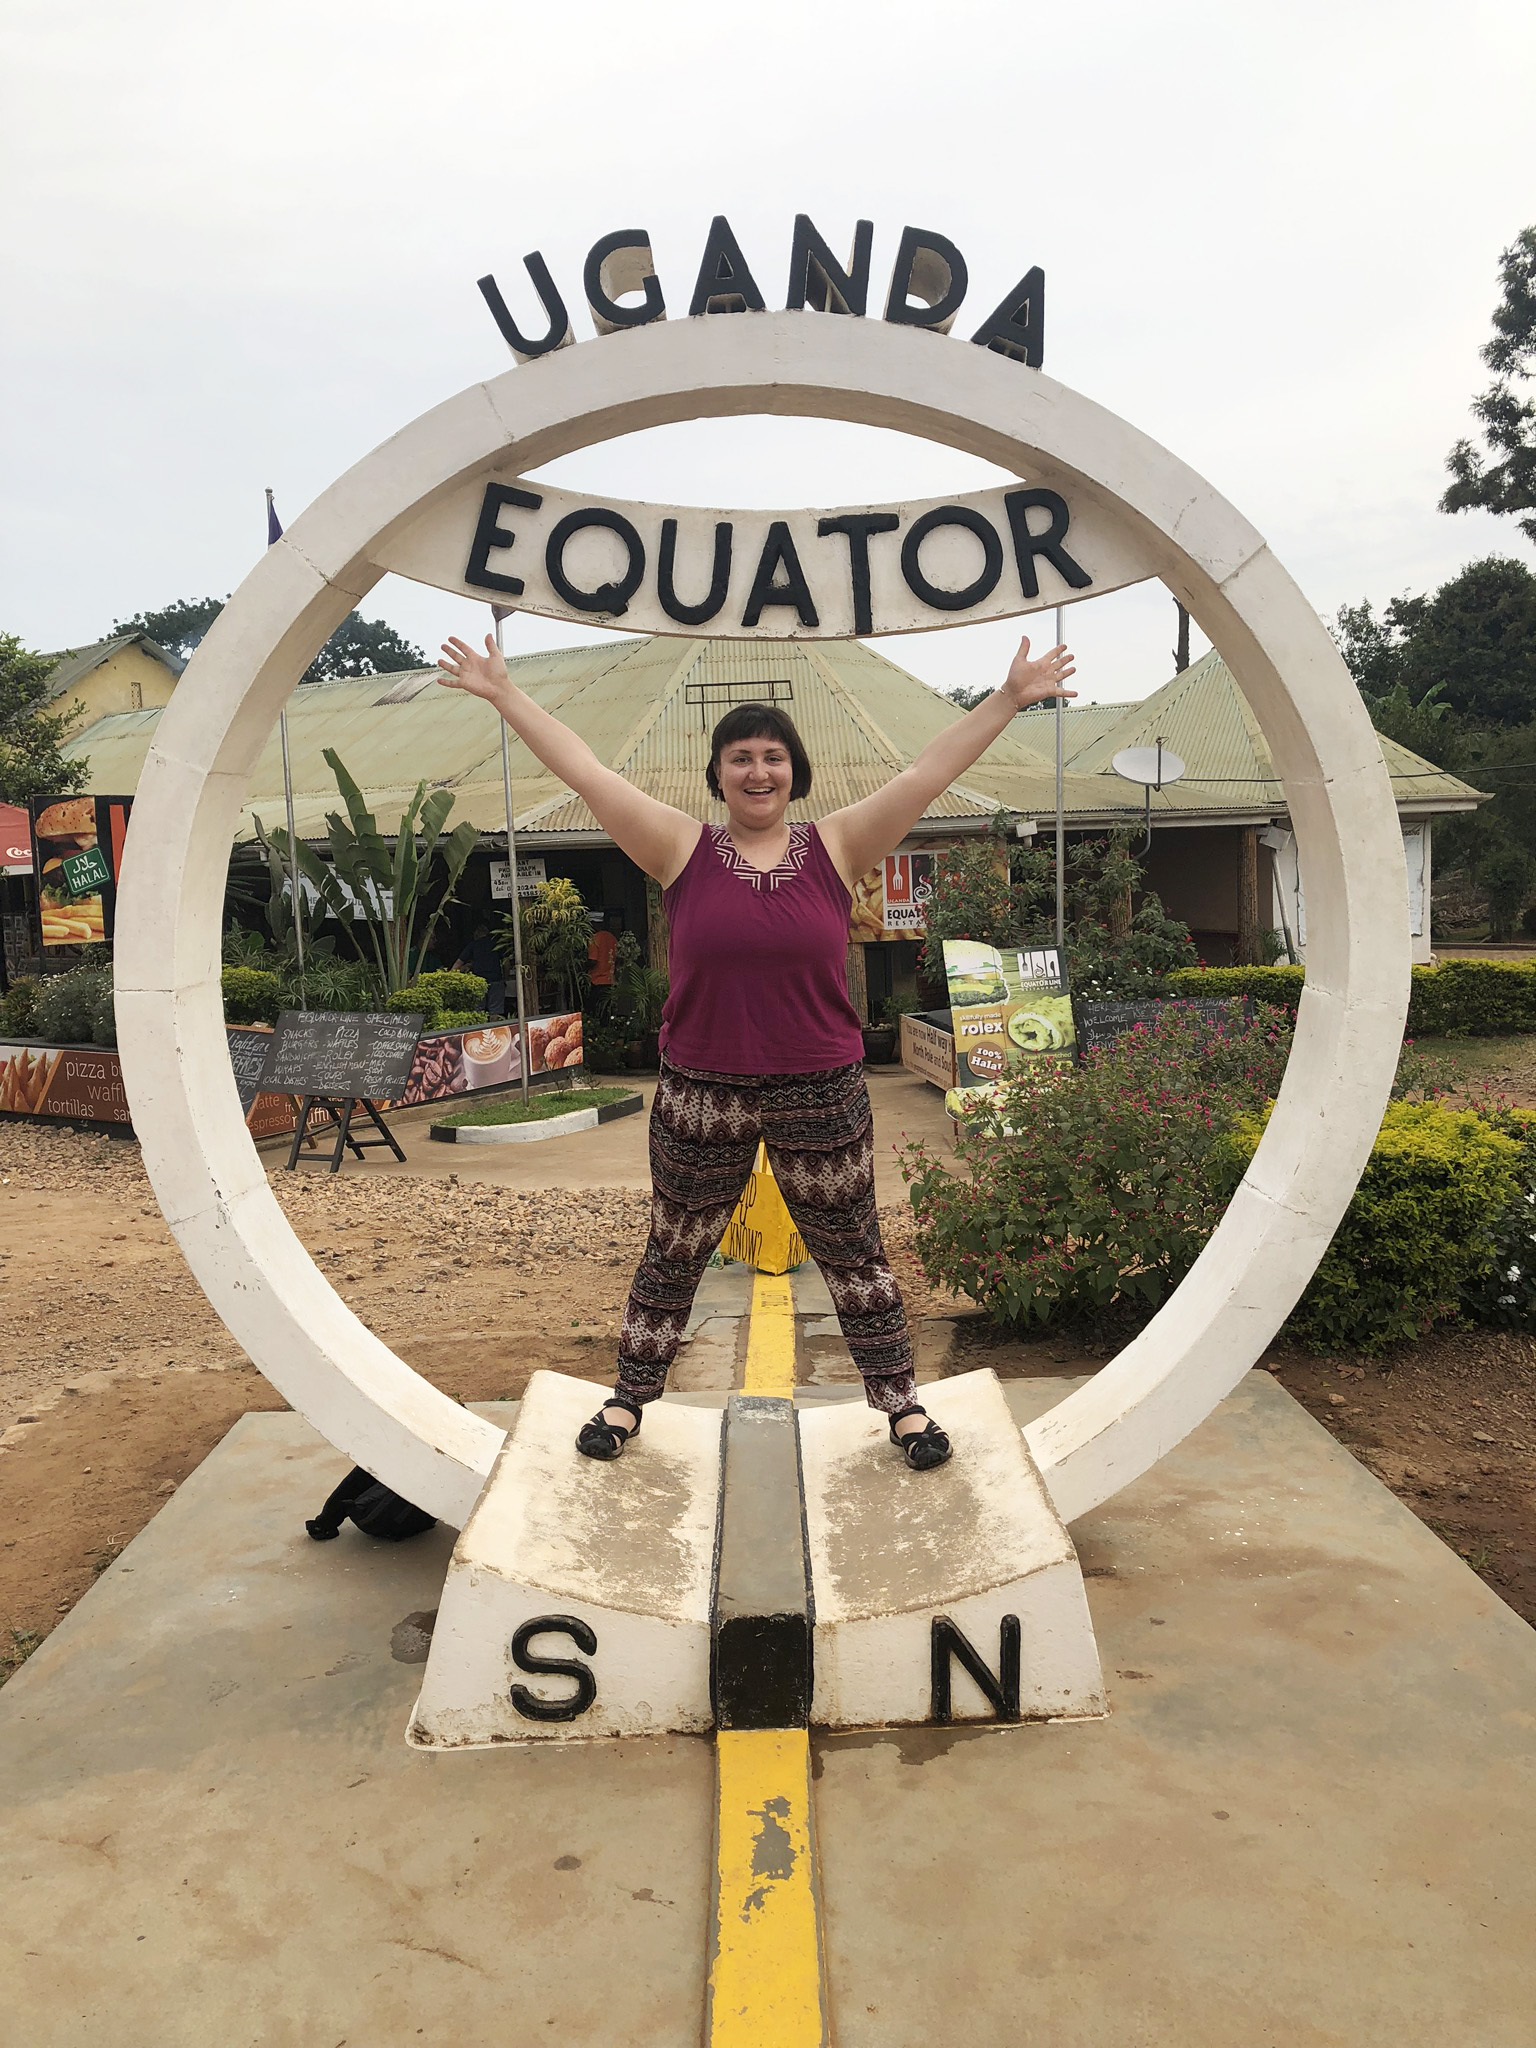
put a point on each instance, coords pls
(1009, 1006)
(77, 854)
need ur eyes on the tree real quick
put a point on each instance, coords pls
(1501, 477)
(31, 736)
(1475, 639)
(1425, 728)
(967, 697)
(358, 647)
(382, 888)
(1506, 872)
(363, 647)
(556, 933)
(178, 627)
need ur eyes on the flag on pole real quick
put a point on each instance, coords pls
(274, 524)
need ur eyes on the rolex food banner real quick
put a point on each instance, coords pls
(77, 854)
(1009, 1005)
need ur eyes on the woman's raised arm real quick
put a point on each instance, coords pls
(860, 835)
(656, 837)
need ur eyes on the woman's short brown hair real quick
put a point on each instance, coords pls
(759, 722)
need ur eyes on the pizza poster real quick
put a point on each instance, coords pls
(77, 855)
(1009, 1005)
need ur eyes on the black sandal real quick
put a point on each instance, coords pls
(601, 1439)
(924, 1448)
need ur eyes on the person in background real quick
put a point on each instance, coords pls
(480, 957)
(601, 948)
(759, 1040)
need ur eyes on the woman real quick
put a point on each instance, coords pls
(759, 1039)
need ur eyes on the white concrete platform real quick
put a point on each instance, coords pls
(577, 1602)
(1310, 1821)
(915, 1574)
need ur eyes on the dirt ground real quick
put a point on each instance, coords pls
(117, 1379)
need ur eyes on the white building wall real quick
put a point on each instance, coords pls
(1288, 906)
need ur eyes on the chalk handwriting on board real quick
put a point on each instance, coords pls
(361, 1054)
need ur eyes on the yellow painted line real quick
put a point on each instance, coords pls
(767, 1985)
(770, 1365)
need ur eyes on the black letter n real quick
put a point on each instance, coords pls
(1002, 1692)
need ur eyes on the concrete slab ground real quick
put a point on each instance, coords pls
(1310, 1818)
(615, 1155)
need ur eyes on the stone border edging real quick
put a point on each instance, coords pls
(545, 1127)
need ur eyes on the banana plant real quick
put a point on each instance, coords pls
(367, 883)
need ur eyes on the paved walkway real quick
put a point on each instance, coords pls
(614, 1155)
(1310, 1818)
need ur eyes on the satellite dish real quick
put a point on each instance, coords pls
(1152, 765)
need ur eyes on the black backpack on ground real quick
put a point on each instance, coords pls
(375, 1510)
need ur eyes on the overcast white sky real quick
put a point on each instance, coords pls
(240, 246)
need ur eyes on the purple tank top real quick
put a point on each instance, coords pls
(758, 962)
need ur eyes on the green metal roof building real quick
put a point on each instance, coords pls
(1222, 857)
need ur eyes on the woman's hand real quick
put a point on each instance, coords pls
(482, 675)
(1031, 682)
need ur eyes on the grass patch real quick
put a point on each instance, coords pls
(538, 1108)
(1507, 1064)
(23, 1641)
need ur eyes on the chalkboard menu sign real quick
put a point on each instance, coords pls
(1100, 1024)
(248, 1056)
(361, 1054)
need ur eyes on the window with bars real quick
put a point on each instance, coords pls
(715, 698)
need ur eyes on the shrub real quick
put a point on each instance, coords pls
(1473, 998)
(1094, 1190)
(331, 983)
(1504, 1294)
(1415, 1240)
(251, 995)
(441, 995)
(1279, 986)
(448, 989)
(1459, 998)
(604, 1041)
(76, 1008)
(1107, 968)
(17, 1006)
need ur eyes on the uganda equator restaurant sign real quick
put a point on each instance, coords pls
(1092, 506)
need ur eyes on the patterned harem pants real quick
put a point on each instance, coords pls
(820, 1138)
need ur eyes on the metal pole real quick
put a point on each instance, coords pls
(1061, 825)
(517, 904)
(293, 859)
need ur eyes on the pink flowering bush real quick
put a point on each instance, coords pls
(1090, 1192)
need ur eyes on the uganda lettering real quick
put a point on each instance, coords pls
(927, 285)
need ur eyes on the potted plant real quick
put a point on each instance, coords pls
(882, 1034)
(639, 996)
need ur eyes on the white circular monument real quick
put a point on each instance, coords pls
(404, 508)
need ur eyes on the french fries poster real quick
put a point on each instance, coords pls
(1009, 1005)
(891, 901)
(27, 1074)
(77, 854)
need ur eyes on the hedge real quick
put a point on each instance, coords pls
(1278, 985)
(1458, 999)
(251, 995)
(440, 995)
(1417, 1236)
